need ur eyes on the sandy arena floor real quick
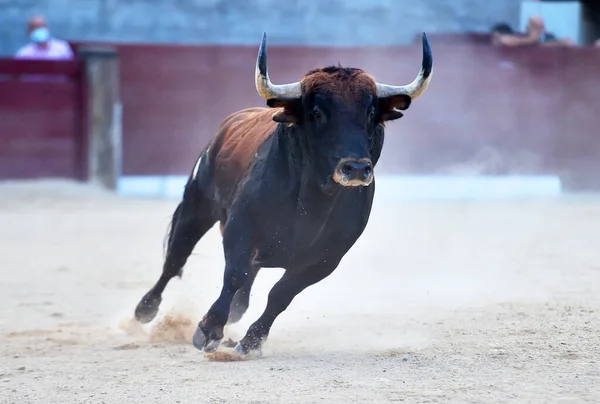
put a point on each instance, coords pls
(449, 303)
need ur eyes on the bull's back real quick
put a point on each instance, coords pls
(235, 146)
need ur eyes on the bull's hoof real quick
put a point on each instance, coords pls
(229, 343)
(238, 306)
(236, 314)
(147, 309)
(241, 349)
(202, 343)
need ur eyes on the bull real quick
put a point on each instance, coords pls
(292, 186)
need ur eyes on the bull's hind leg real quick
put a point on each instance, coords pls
(241, 299)
(191, 220)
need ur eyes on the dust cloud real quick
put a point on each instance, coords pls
(176, 325)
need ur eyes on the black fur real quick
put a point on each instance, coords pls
(286, 212)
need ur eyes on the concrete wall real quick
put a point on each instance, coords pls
(307, 22)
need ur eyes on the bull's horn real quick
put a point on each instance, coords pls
(265, 88)
(419, 85)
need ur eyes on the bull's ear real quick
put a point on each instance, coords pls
(284, 116)
(390, 107)
(290, 113)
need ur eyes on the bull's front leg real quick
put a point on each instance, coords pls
(237, 246)
(280, 297)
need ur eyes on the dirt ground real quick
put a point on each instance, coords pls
(440, 302)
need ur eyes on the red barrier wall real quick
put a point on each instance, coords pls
(488, 110)
(41, 119)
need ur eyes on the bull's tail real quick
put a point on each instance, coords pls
(168, 239)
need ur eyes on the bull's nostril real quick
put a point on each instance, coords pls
(354, 171)
(347, 169)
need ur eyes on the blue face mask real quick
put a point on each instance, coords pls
(39, 35)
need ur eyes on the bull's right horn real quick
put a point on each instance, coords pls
(419, 84)
(265, 88)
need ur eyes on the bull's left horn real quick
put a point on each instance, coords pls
(419, 85)
(265, 88)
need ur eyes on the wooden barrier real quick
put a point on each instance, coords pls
(488, 110)
(104, 131)
(41, 119)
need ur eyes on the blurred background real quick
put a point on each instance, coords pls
(105, 106)
(130, 91)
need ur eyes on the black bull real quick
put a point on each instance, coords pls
(292, 187)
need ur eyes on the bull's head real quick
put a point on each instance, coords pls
(340, 113)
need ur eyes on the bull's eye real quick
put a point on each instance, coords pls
(316, 112)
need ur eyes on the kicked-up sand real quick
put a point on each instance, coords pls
(488, 302)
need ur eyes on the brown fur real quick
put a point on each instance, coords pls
(239, 138)
(334, 80)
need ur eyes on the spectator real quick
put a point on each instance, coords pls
(503, 28)
(41, 45)
(535, 34)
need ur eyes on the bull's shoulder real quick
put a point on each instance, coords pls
(239, 138)
(244, 131)
(246, 116)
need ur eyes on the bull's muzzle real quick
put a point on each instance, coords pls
(352, 172)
